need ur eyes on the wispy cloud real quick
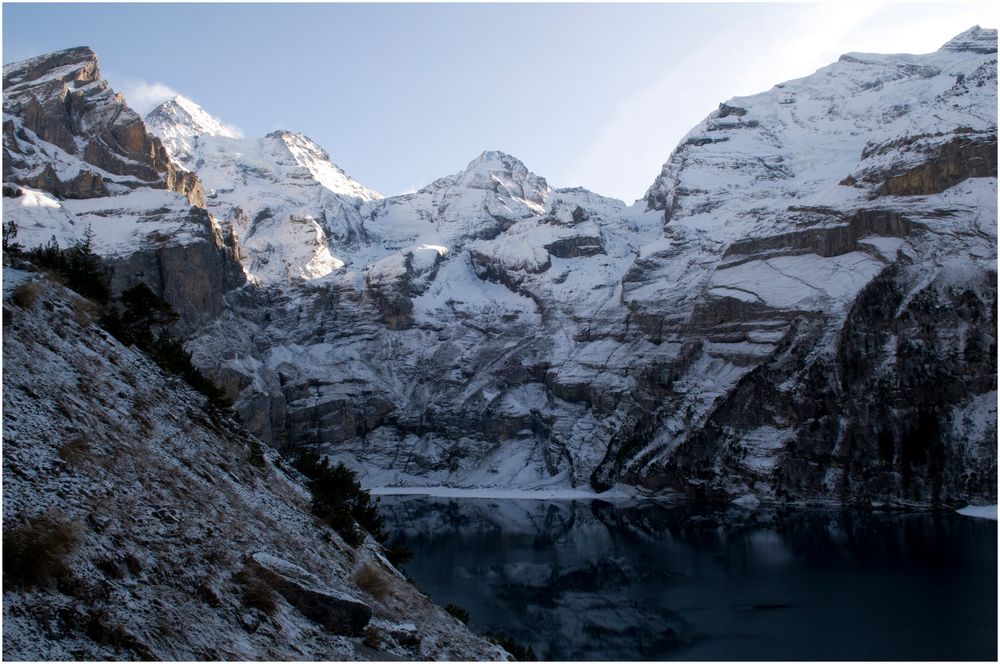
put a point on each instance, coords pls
(235, 129)
(143, 96)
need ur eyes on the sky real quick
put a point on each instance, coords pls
(592, 95)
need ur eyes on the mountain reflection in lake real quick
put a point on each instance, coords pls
(592, 580)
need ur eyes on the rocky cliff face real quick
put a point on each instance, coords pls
(803, 251)
(856, 399)
(61, 99)
(140, 525)
(77, 157)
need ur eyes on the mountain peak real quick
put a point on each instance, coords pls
(495, 160)
(72, 64)
(182, 116)
(973, 40)
(307, 153)
(498, 171)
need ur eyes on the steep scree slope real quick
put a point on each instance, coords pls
(186, 547)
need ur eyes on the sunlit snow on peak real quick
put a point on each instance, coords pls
(314, 158)
(441, 251)
(193, 120)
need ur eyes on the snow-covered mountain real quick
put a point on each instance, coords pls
(78, 159)
(180, 123)
(294, 212)
(803, 249)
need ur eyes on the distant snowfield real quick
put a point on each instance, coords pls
(980, 511)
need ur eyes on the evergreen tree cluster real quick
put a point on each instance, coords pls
(78, 267)
(339, 500)
(139, 317)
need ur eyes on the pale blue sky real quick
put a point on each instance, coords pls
(586, 95)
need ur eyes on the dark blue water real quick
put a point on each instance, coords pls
(595, 581)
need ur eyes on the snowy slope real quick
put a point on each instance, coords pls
(169, 512)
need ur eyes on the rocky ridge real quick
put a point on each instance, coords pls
(77, 159)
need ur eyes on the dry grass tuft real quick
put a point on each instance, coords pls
(75, 450)
(256, 593)
(36, 553)
(373, 637)
(25, 294)
(209, 596)
(371, 580)
(85, 311)
(133, 564)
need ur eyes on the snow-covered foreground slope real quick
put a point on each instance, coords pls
(172, 519)
(803, 308)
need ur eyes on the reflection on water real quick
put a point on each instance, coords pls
(591, 580)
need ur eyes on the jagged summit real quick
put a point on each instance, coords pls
(192, 134)
(307, 153)
(72, 64)
(497, 171)
(494, 160)
(184, 116)
(973, 40)
(68, 133)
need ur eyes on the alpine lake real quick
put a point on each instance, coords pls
(593, 580)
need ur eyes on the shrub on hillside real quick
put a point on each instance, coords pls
(36, 553)
(371, 580)
(458, 612)
(255, 592)
(141, 318)
(25, 294)
(507, 642)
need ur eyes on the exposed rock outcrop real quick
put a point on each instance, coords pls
(946, 165)
(336, 611)
(70, 137)
(61, 98)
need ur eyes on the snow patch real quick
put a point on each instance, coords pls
(980, 511)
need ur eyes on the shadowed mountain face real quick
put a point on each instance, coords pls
(139, 524)
(803, 307)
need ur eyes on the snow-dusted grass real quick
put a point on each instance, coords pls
(168, 504)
